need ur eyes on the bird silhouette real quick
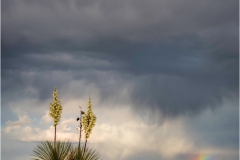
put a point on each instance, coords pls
(77, 118)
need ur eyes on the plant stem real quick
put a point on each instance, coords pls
(55, 136)
(80, 134)
(84, 147)
(80, 126)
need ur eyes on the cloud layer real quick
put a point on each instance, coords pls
(161, 49)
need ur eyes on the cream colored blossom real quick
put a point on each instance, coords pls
(88, 120)
(55, 108)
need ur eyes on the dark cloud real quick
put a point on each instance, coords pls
(44, 22)
(217, 128)
(179, 57)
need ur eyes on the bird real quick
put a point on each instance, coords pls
(77, 118)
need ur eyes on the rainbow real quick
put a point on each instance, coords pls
(202, 157)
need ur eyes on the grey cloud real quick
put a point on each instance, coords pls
(220, 127)
(44, 21)
(179, 57)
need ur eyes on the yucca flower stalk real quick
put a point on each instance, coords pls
(89, 121)
(80, 126)
(55, 111)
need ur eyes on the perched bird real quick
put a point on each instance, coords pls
(78, 117)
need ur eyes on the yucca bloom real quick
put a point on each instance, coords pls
(89, 121)
(55, 110)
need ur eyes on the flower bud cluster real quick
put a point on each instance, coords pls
(55, 108)
(88, 120)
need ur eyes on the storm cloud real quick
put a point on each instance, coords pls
(180, 57)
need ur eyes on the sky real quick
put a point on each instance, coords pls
(163, 76)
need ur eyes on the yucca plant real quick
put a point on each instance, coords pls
(63, 150)
(48, 150)
(55, 111)
(89, 121)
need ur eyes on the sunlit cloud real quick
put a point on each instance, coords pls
(122, 132)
